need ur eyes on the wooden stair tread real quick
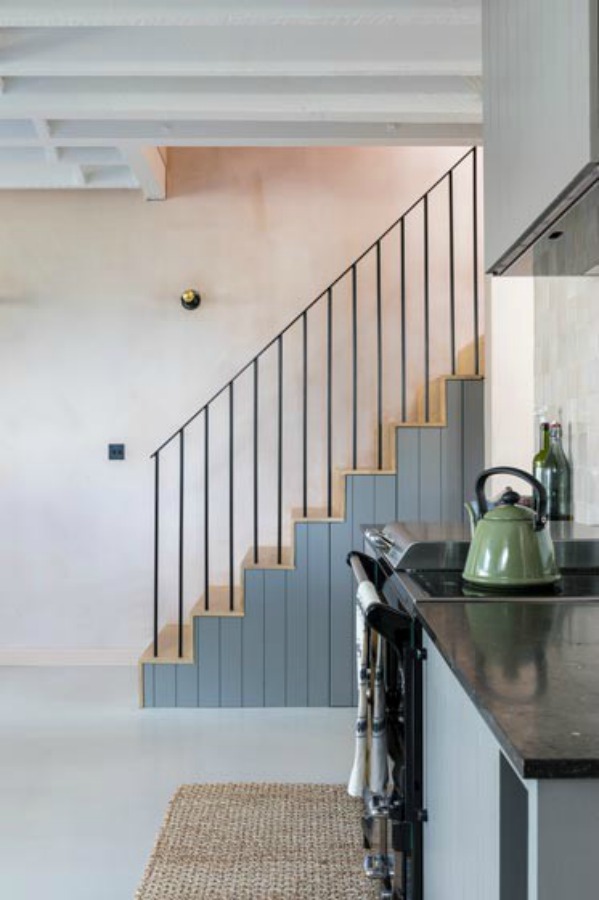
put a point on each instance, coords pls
(314, 514)
(345, 472)
(220, 601)
(168, 646)
(268, 558)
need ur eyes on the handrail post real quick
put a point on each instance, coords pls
(354, 318)
(402, 279)
(426, 317)
(379, 361)
(231, 499)
(256, 487)
(156, 545)
(329, 402)
(305, 414)
(280, 455)
(207, 508)
(475, 256)
(181, 535)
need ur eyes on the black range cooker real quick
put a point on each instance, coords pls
(403, 566)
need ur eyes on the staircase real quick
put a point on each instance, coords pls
(367, 407)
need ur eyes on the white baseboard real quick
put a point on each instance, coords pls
(68, 656)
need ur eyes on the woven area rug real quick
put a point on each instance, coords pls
(258, 842)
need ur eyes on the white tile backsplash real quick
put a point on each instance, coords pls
(567, 377)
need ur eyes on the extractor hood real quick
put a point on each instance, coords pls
(541, 137)
(564, 240)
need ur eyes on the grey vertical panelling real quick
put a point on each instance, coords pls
(318, 615)
(452, 475)
(363, 512)
(408, 474)
(274, 638)
(342, 608)
(297, 622)
(187, 685)
(362, 506)
(252, 639)
(430, 475)
(209, 661)
(148, 684)
(165, 686)
(230, 662)
(473, 430)
(385, 499)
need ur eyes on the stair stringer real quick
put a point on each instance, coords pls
(290, 641)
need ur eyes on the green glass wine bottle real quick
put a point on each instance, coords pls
(554, 473)
(540, 456)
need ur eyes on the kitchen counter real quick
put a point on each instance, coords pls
(532, 671)
(510, 722)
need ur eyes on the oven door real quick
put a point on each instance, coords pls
(393, 813)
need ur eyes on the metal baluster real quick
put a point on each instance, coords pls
(280, 458)
(452, 272)
(475, 257)
(256, 492)
(156, 545)
(404, 387)
(207, 509)
(354, 307)
(379, 359)
(231, 503)
(426, 316)
(181, 533)
(329, 402)
(305, 414)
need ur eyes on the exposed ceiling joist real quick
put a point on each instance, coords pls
(148, 165)
(118, 80)
(185, 13)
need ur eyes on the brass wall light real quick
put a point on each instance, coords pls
(190, 299)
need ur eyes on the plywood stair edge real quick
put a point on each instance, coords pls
(268, 556)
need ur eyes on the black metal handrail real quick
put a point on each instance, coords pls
(278, 341)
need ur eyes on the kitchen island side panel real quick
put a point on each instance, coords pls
(461, 790)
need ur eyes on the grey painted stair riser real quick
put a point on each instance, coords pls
(295, 644)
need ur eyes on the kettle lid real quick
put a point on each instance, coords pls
(508, 510)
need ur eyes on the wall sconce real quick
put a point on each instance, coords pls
(190, 299)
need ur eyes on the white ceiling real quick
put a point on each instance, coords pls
(90, 90)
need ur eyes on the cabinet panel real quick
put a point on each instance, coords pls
(539, 117)
(461, 780)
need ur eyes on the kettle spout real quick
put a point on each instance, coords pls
(473, 516)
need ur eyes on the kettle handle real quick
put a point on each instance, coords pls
(538, 488)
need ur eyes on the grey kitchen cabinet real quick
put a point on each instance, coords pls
(490, 833)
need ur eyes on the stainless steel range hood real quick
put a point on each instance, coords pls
(564, 240)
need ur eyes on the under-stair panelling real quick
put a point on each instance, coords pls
(294, 644)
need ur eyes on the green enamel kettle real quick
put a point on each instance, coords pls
(511, 546)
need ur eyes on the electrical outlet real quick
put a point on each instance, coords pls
(116, 451)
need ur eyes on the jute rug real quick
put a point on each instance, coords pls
(258, 842)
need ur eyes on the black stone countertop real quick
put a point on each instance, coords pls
(532, 670)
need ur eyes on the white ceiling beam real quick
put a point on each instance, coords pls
(182, 13)
(149, 167)
(17, 176)
(264, 51)
(215, 134)
(162, 102)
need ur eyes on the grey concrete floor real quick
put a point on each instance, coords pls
(85, 776)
